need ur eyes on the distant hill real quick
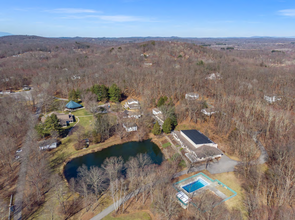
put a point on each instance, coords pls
(4, 34)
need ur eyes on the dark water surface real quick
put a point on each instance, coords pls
(126, 150)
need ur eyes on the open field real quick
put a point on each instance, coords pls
(141, 215)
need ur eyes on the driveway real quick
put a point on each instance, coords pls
(223, 165)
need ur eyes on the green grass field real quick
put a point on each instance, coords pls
(166, 145)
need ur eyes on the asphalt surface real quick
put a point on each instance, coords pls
(25, 154)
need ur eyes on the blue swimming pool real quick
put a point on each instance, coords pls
(195, 185)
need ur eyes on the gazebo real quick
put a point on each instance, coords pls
(72, 106)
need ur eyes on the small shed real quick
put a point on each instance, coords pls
(183, 199)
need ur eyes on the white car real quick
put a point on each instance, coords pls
(19, 150)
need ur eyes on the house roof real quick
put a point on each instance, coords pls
(129, 124)
(47, 142)
(73, 105)
(183, 197)
(207, 151)
(197, 137)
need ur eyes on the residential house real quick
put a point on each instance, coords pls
(132, 104)
(214, 76)
(48, 144)
(129, 127)
(158, 115)
(130, 114)
(196, 146)
(208, 111)
(271, 99)
(191, 96)
(64, 119)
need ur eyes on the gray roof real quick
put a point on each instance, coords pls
(197, 137)
(207, 151)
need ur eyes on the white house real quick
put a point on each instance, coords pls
(208, 111)
(147, 64)
(129, 127)
(157, 111)
(48, 144)
(74, 77)
(132, 104)
(214, 76)
(158, 115)
(191, 96)
(271, 99)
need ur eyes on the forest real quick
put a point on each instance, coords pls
(158, 72)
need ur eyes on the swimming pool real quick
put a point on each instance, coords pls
(191, 187)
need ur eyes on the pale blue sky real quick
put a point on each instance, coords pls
(126, 18)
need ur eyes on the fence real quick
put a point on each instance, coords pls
(213, 181)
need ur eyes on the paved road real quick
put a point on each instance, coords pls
(263, 158)
(18, 199)
(111, 208)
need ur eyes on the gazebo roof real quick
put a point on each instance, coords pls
(73, 105)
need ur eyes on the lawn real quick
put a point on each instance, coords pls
(86, 121)
(134, 216)
(81, 112)
(167, 144)
(186, 127)
(232, 182)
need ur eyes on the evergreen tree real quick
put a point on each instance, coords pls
(51, 124)
(167, 126)
(73, 96)
(115, 93)
(101, 91)
(104, 93)
(156, 129)
(161, 101)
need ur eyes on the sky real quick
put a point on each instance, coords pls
(142, 18)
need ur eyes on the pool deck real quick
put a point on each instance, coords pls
(212, 186)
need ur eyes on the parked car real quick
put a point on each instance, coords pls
(19, 150)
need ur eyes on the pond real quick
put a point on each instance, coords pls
(126, 150)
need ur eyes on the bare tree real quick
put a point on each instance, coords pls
(94, 177)
(165, 203)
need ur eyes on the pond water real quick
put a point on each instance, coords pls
(126, 150)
